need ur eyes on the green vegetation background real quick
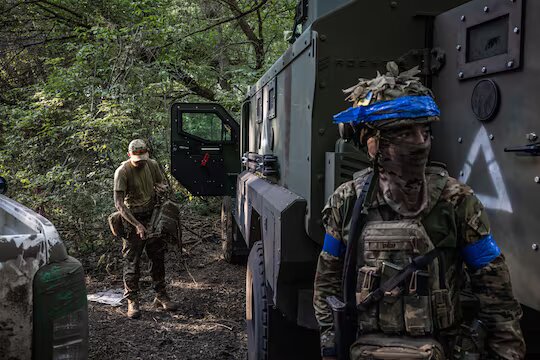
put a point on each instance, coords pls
(79, 79)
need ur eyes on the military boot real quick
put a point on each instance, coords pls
(133, 309)
(162, 300)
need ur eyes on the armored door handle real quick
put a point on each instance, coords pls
(525, 150)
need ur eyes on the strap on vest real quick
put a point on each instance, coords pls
(345, 314)
(418, 263)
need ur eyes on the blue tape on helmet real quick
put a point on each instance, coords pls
(333, 246)
(405, 107)
(481, 253)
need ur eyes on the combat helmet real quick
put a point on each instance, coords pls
(386, 101)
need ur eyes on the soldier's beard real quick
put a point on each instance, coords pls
(402, 179)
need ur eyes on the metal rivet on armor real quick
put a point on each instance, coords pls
(537, 179)
(460, 140)
(321, 131)
(484, 69)
(531, 136)
(322, 84)
(458, 47)
(393, 4)
(486, 9)
(491, 137)
(463, 17)
(516, 30)
(323, 37)
(460, 74)
(510, 64)
(534, 247)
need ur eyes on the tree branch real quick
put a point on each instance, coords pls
(209, 27)
(257, 41)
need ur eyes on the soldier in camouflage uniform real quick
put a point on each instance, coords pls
(136, 183)
(415, 209)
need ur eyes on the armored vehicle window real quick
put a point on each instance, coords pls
(259, 108)
(207, 126)
(487, 39)
(272, 99)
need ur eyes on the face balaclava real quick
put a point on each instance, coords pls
(402, 178)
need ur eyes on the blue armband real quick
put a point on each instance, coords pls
(333, 246)
(481, 253)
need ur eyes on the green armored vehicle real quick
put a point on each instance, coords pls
(285, 157)
(43, 308)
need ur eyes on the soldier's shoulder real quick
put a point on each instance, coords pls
(341, 194)
(121, 169)
(455, 191)
(349, 189)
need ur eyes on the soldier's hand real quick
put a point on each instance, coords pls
(161, 189)
(141, 231)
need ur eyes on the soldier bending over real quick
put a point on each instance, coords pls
(136, 182)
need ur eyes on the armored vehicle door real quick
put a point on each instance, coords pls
(488, 94)
(205, 154)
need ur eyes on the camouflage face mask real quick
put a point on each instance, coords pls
(402, 175)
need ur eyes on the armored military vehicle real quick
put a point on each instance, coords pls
(43, 308)
(480, 57)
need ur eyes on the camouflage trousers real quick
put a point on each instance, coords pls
(132, 250)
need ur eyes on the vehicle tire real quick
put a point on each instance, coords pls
(256, 305)
(232, 242)
(270, 335)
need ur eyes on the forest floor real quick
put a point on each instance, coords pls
(210, 322)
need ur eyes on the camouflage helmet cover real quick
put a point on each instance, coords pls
(389, 86)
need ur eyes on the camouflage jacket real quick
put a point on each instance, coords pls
(465, 222)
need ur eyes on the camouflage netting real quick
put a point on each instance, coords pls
(385, 87)
(389, 86)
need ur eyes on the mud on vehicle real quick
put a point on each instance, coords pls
(43, 306)
(285, 157)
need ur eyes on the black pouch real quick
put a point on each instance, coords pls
(417, 305)
(367, 281)
(391, 306)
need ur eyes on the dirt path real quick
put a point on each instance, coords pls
(209, 324)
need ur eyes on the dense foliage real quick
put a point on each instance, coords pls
(79, 79)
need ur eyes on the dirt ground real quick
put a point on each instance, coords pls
(210, 322)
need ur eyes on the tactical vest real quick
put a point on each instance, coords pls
(428, 303)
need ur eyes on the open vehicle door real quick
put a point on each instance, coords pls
(205, 153)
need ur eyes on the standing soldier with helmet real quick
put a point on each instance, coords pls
(137, 183)
(405, 243)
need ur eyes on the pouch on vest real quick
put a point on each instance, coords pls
(116, 224)
(417, 305)
(391, 306)
(367, 281)
(379, 346)
(443, 309)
